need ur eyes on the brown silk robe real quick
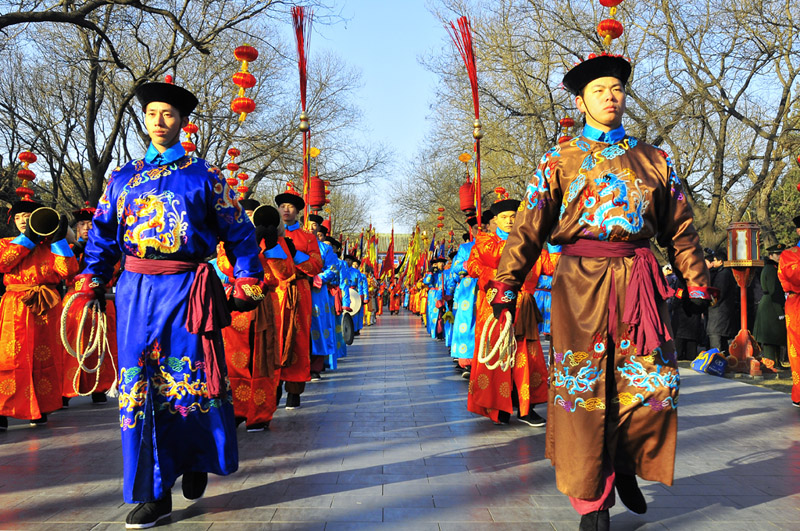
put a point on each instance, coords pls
(626, 191)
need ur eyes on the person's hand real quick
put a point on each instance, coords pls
(61, 231)
(267, 234)
(290, 245)
(32, 236)
(91, 287)
(502, 298)
(247, 293)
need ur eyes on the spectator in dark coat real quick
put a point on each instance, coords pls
(687, 324)
(770, 325)
(723, 318)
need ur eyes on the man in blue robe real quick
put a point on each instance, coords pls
(464, 291)
(323, 316)
(165, 214)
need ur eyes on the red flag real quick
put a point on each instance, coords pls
(388, 261)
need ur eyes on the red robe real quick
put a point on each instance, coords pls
(490, 389)
(305, 242)
(254, 368)
(789, 275)
(31, 353)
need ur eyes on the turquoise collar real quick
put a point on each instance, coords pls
(503, 235)
(172, 154)
(294, 226)
(608, 137)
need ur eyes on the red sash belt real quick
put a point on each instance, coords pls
(645, 326)
(206, 315)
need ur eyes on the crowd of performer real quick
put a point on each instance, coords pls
(198, 347)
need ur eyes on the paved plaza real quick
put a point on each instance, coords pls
(386, 442)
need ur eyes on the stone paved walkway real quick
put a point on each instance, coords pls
(386, 442)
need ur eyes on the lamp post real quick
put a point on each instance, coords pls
(743, 259)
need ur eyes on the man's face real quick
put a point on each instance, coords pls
(349, 262)
(505, 220)
(313, 226)
(288, 213)
(603, 103)
(164, 124)
(82, 229)
(21, 221)
(321, 236)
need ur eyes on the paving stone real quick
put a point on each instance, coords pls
(386, 442)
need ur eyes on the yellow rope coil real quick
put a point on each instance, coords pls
(96, 342)
(505, 348)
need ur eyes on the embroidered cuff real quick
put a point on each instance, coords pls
(697, 292)
(301, 257)
(499, 292)
(61, 248)
(276, 252)
(23, 241)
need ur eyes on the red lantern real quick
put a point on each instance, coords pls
(245, 80)
(798, 160)
(609, 29)
(500, 191)
(440, 218)
(243, 177)
(191, 129)
(188, 147)
(610, 3)
(233, 152)
(27, 157)
(439, 225)
(566, 122)
(440, 209)
(466, 197)
(243, 106)
(242, 189)
(316, 193)
(26, 175)
(247, 53)
(231, 181)
(232, 166)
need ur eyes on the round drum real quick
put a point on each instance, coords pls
(355, 301)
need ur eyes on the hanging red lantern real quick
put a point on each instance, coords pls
(466, 197)
(243, 106)
(191, 128)
(439, 225)
(440, 209)
(248, 53)
(26, 175)
(232, 167)
(232, 181)
(566, 122)
(440, 218)
(245, 80)
(242, 189)
(609, 29)
(243, 176)
(316, 193)
(610, 3)
(188, 145)
(27, 157)
(233, 152)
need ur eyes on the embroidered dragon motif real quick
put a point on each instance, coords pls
(154, 224)
(614, 187)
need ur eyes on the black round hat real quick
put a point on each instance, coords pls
(178, 97)
(84, 214)
(505, 205)
(292, 198)
(316, 218)
(249, 204)
(334, 242)
(323, 229)
(21, 207)
(596, 66)
(266, 216)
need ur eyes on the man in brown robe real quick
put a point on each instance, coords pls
(613, 375)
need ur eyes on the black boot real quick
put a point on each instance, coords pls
(194, 485)
(146, 515)
(99, 399)
(292, 401)
(503, 417)
(595, 521)
(3, 423)
(41, 421)
(629, 493)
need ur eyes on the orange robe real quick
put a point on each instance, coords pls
(490, 389)
(105, 376)
(305, 269)
(254, 367)
(31, 353)
(789, 276)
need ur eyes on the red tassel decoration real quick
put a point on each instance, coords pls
(462, 38)
(302, 31)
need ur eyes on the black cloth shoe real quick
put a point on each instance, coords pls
(465, 374)
(595, 521)
(194, 485)
(533, 419)
(3, 423)
(502, 418)
(292, 401)
(146, 515)
(99, 398)
(796, 404)
(629, 493)
(41, 421)
(315, 377)
(64, 402)
(259, 426)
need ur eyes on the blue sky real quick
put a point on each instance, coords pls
(384, 39)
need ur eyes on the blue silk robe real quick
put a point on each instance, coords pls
(465, 296)
(323, 316)
(176, 207)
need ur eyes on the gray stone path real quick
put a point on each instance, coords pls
(386, 442)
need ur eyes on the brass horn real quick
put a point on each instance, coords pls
(44, 221)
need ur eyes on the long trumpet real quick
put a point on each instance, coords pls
(44, 221)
